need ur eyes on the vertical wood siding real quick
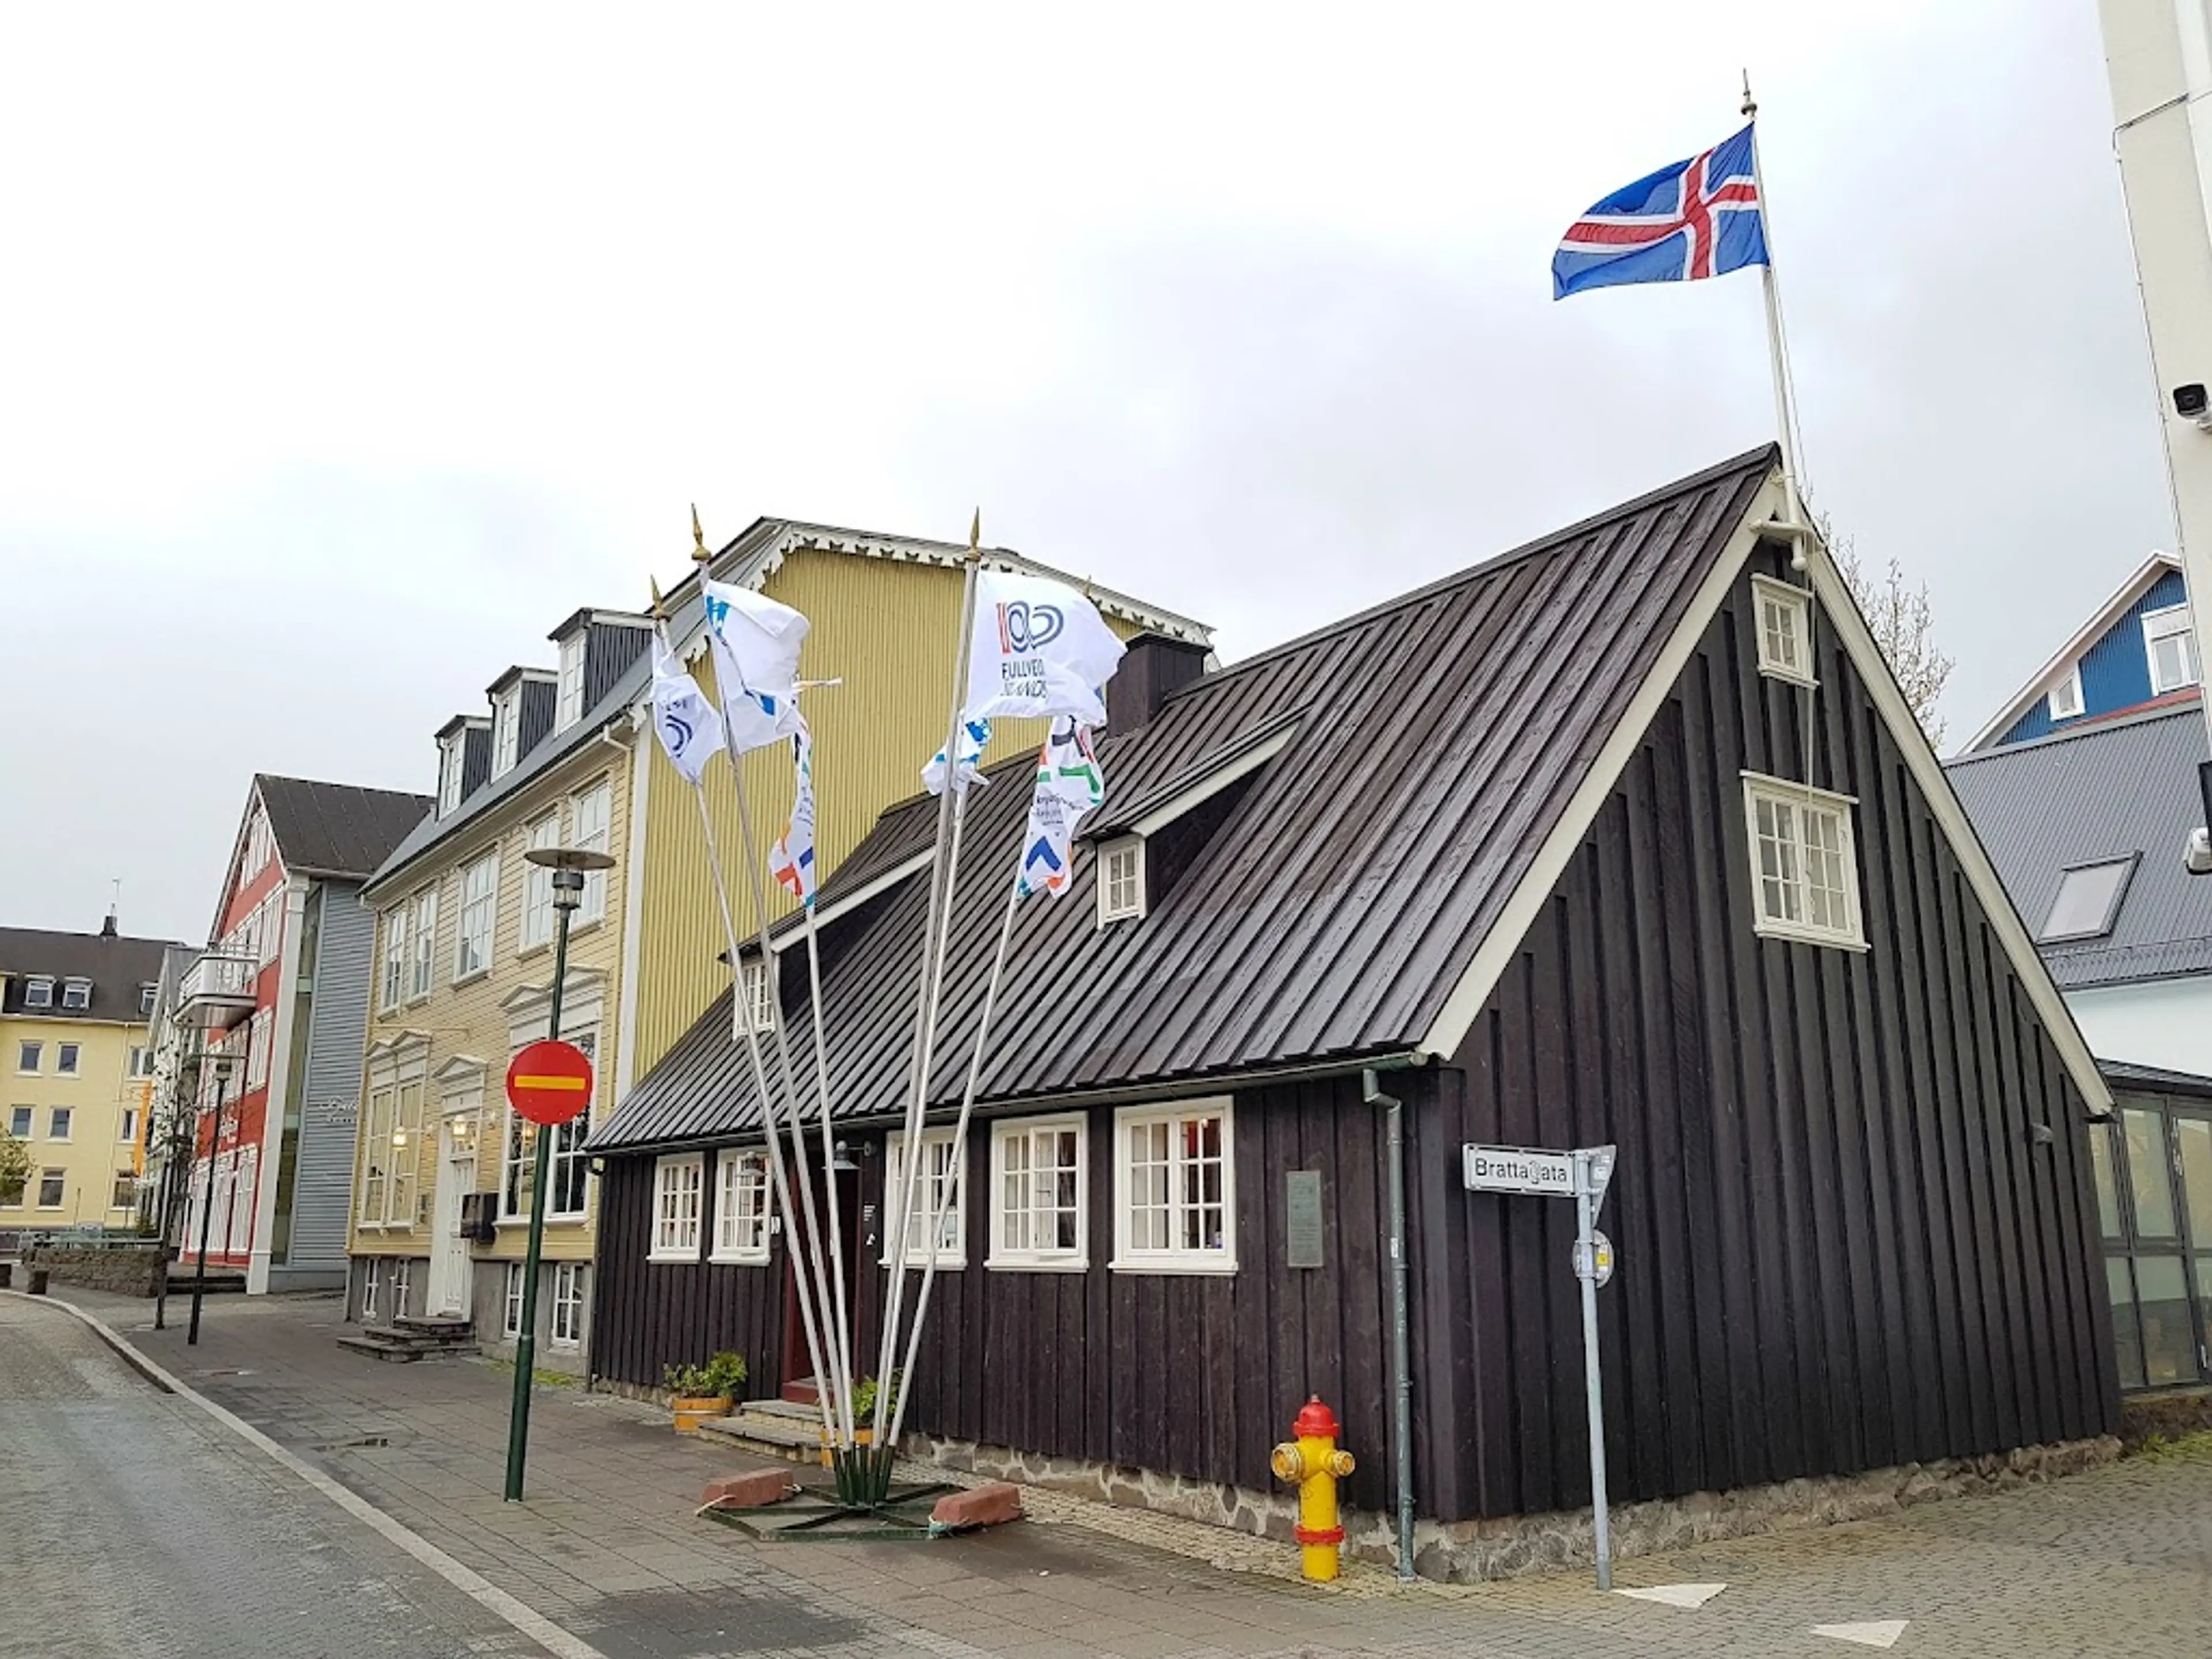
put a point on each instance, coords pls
(1839, 1246)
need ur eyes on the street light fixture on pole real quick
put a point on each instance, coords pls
(569, 866)
(221, 1065)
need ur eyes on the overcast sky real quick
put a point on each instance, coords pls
(350, 350)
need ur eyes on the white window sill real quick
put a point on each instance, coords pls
(577, 1219)
(1041, 1264)
(732, 1259)
(584, 923)
(921, 1263)
(1775, 671)
(1808, 936)
(688, 1258)
(564, 1344)
(1145, 1263)
(537, 949)
(459, 980)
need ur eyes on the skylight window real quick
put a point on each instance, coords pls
(2088, 902)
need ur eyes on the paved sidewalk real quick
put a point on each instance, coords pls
(2116, 1562)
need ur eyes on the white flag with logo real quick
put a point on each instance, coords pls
(974, 734)
(690, 730)
(791, 861)
(1038, 647)
(1069, 785)
(755, 643)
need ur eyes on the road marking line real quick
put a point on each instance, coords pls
(563, 1643)
(1676, 1596)
(1877, 1633)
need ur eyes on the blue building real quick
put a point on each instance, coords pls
(2136, 652)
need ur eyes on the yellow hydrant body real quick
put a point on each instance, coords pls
(1315, 1464)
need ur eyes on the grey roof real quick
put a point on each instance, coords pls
(2125, 1075)
(763, 545)
(1331, 913)
(116, 967)
(337, 829)
(2118, 787)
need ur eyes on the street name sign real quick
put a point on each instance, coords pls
(1518, 1169)
(549, 1083)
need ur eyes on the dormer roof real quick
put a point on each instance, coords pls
(2146, 576)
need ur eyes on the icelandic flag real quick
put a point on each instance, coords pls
(1069, 784)
(791, 861)
(690, 730)
(1696, 219)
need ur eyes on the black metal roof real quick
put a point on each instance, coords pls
(2114, 788)
(117, 966)
(337, 829)
(1438, 739)
(2155, 1080)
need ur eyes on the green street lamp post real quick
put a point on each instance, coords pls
(569, 866)
(223, 1065)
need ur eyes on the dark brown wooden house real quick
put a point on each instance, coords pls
(1624, 836)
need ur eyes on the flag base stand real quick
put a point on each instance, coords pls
(864, 1507)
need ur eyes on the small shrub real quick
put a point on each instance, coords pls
(864, 1396)
(720, 1377)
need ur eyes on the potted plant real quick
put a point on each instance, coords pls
(864, 1393)
(702, 1394)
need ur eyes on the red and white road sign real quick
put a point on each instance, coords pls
(549, 1083)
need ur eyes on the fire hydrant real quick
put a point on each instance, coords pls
(1314, 1461)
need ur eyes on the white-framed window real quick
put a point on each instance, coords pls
(376, 1152)
(760, 1006)
(28, 1055)
(127, 1133)
(479, 911)
(510, 1302)
(52, 1188)
(1122, 879)
(392, 991)
(1804, 865)
(19, 1121)
(66, 1058)
(1175, 1188)
(506, 730)
(2064, 701)
(76, 994)
(424, 925)
(565, 1200)
(372, 1288)
(592, 808)
(403, 1280)
(2172, 648)
(678, 1185)
(450, 753)
(141, 1062)
(146, 995)
(1785, 629)
(938, 1191)
(538, 885)
(569, 1303)
(256, 1050)
(273, 925)
(58, 1121)
(568, 705)
(39, 991)
(1038, 1192)
(741, 1207)
(126, 1192)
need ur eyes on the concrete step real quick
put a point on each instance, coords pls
(790, 1410)
(769, 1432)
(398, 1350)
(443, 1333)
(449, 1325)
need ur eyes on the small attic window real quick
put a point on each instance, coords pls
(1122, 880)
(76, 994)
(451, 754)
(506, 730)
(758, 1010)
(39, 991)
(2088, 902)
(569, 707)
(2066, 696)
(1785, 633)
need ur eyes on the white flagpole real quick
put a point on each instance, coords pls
(943, 868)
(830, 1181)
(826, 1382)
(1786, 413)
(959, 1140)
(752, 1037)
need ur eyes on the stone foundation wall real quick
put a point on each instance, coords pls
(124, 1273)
(2164, 1416)
(1460, 1552)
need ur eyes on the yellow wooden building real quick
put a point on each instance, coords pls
(566, 756)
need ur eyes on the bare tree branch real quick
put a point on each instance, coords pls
(1903, 624)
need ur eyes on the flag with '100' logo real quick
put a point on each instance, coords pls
(1039, 648)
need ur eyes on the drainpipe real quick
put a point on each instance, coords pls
(1401, 1371)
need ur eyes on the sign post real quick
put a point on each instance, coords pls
(1582, 1174)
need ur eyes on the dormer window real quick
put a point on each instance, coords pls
(505, 729)
(451, 754)
(2172, 647)
(2065, 700)
(1785, 631)
(568, 708)
(76, 994)
(146, 1000)
(758, 1008)
(39, 991)
(1122, 880)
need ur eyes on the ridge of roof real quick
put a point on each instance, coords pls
(2171, 707)
(345, 829)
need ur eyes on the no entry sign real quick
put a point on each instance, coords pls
(549, 1082)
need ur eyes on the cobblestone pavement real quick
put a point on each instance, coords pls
(132, 1526)
(2117, 1561)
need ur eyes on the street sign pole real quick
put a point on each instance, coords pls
(1586, 1269)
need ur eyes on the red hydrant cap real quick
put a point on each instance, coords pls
(1314, 1421)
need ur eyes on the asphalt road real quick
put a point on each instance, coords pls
(134, 1526)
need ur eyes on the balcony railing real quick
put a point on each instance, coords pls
(218, 991)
